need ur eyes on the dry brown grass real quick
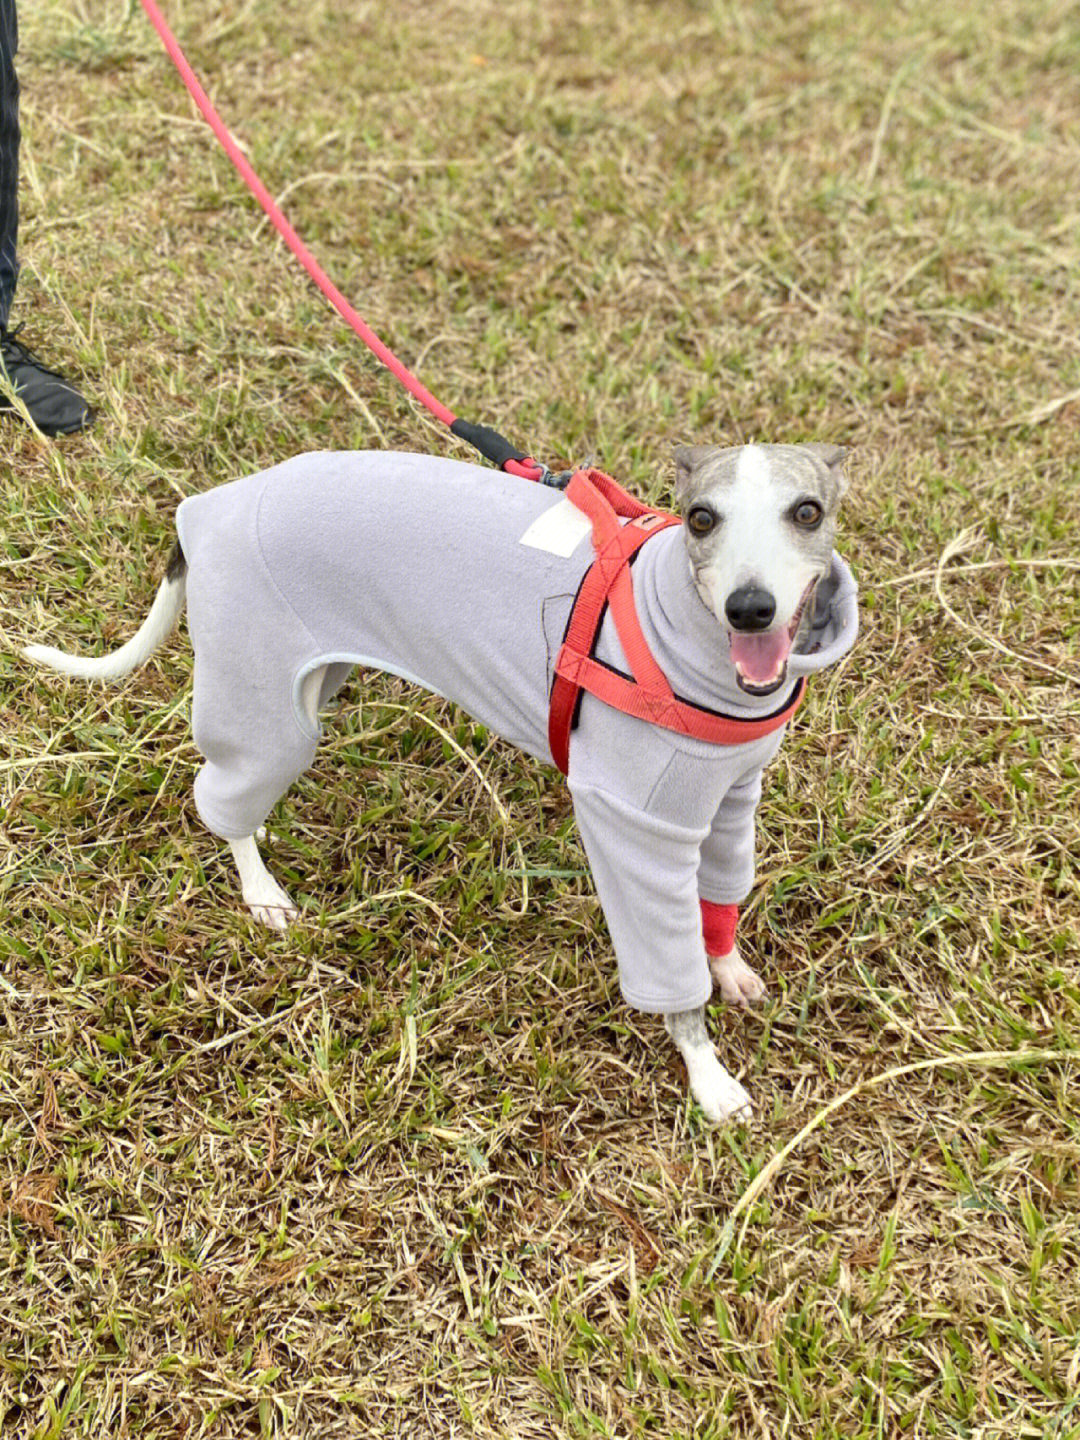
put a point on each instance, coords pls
(414, 1169)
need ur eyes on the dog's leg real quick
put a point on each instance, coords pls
(263, 896)
(739, 985)
(718, 1093)
(310, 691)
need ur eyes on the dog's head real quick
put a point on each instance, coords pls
(759, 523)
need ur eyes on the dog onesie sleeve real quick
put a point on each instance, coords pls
(726, 872)
(674, 827)
(645, 871)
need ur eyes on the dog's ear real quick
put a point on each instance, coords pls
(832, 457)
(688, 458)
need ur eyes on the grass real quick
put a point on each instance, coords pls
(414, 1169)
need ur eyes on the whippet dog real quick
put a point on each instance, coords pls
(464, 581)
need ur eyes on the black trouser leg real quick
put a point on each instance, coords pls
(9, 156)
(53, 403)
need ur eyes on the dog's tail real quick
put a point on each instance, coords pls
(164, 613)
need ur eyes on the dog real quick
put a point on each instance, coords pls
(463, 581)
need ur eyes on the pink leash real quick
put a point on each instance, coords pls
(719, 921)
(489, 442)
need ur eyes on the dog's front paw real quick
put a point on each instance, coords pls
(719, 1094)
(739, 985)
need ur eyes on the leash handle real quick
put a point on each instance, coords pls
(489, 442)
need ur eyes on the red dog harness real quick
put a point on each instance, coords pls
(607, 582)
(647, 694)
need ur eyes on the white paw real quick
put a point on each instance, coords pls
(739, 985)
(276, 917)
(271, 906)
(719, 1094)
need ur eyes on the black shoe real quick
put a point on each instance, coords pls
(55, 406)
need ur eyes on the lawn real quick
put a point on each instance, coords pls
(414, 1169)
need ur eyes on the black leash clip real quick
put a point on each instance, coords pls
(557, 479)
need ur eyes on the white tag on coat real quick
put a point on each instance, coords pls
(559, 530)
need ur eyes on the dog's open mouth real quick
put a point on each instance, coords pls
(760, 658)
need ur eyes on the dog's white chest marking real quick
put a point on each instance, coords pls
(559, 530)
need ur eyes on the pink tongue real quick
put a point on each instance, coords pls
(759, 657)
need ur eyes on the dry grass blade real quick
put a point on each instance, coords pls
(1011, 1059)
(959, 545)
(486, 785)
(1046, 411)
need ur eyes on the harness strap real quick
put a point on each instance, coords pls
(607, 583)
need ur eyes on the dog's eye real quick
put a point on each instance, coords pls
(807, 513)
(701, 520)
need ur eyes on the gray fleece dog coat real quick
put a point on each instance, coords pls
(457, 578)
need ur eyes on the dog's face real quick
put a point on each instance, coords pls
(759, 523)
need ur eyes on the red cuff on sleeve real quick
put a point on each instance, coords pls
(718, 927)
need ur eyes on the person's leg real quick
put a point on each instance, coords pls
(9, 157)
(52, 402)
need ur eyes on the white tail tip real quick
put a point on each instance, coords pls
(79, 666)
(168, 602)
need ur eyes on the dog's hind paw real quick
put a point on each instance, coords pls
(263, 896)
(739, 985)
(277, 917)
(269, 904)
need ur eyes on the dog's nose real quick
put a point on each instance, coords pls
(750, 608)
